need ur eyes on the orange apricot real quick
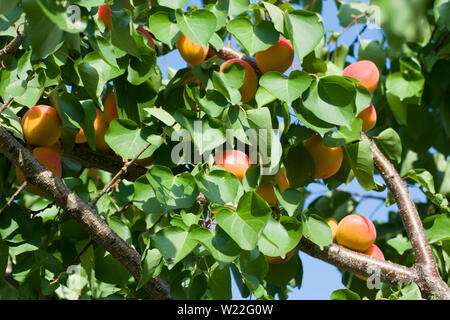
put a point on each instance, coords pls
(369, 118)
(327, 161)
(100, 128)
(191, 52)
(266, 191)
(42, 126)
(356, 232)
(278, 57)
(234, 161)
(248, 89)
(104, 14)
(375, 252)
(50, 159)
(366, 72)
(110, 107)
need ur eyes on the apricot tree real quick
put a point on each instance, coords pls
(173, 187)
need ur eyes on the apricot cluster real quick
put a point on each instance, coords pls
(366, 72)
(278, 57)
(357, 233)
(42, 128)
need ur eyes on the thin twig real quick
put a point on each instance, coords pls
(6, 104)
(22, 186)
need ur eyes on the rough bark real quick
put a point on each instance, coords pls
(82, 212)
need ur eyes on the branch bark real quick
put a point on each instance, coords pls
(12, 46)
(82, 212)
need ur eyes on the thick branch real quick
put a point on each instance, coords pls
(84, 214)
(425, 264)
(359, 263)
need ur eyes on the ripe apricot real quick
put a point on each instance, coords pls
(333, 224)
(369, 118)
(100, 128)
(48, 158)
(266, 190)
(327, 161)
(356, 232)
(191, 52)
(280, 260)
(375, 252)
(110, 107)
(104, 14)
(234, 161)
(278, 57)
(248, 89)
(366, 72)
(41, 126)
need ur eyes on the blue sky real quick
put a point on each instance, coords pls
(319, 278)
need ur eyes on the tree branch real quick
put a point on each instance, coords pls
(12, 46)
(83, 213)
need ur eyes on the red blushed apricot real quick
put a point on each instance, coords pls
(327, 161)
(100, 128)
(234, 161)
(280, 260)
(266, 190)
(333, 224)
(147, 35)
(366, 72)
(248, 89)
(41, 126)
(369, 118)
(190, 51)
(356, 232)
(110, 107)
(104, 14)
(278, 57)
(374, 252)
(49, 159)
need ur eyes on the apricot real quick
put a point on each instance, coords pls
(333, 224)
(356, 232)
(366, 72)
(92, 172)
(266, 190)
(248, 89)
(278, 57)
(57, 147)
(234, 161)
(369, 118)
(145, 162)
(49, 159)
(42, 126)
(110, 107)
(374, 252)
(100, 128)
(280, 260)
(191, 52)
(104, 14)
(327, 161)
(147, 34)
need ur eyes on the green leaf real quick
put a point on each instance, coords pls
(213, 103)
(390, 142)
(161, 115)
(253, 38)
(299, 166)
(279, 238)
(198, 26)
(424, 178)
(174, 244)
(410, 292)
(44, 35)
(254, 267)
(276, 16)
(220, 283)
(400, 243)
(373, 51)
(316, 230)
(127, 139)
(348, 9)
(58, 13)
(219, 186)
(305, 30)
(290, 199)
(160, 191)
(246, 224)
(150, 262)
(286, 90)
(121, 32)
(4, 250)
(360, 158)
(344, 294)
(141, 69)
(343, 135)
(441, 228)
(173, 4)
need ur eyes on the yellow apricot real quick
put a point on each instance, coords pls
(266, 191)
(41, 126)
(327, 161)
(356, 232)
(333, 226)
(190, 51)
(278, 57)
